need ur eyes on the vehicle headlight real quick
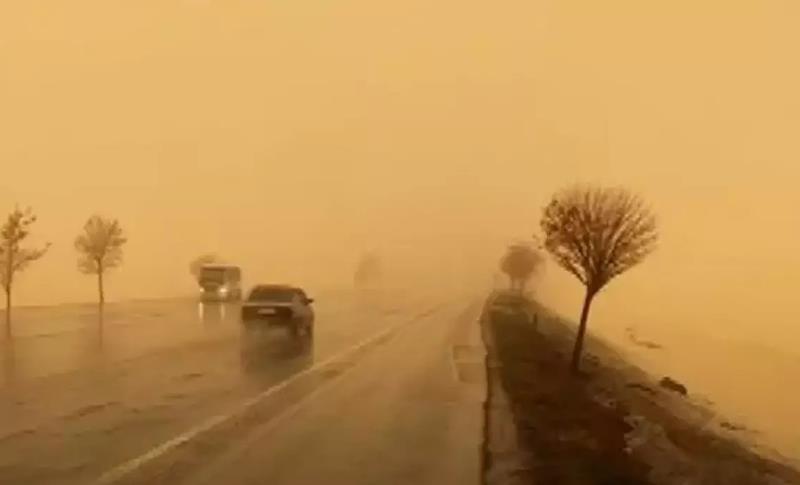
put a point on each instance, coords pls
(223, 290)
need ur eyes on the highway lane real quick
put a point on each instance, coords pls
(77, 402)
(62, 339)
(408, 412)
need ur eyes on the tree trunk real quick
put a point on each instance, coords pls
(8, 312)
(8, 284)
(576, 351)
(101, 292)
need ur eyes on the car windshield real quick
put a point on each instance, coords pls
(268, 293)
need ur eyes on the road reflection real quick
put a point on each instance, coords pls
(213, 312)
(57, 340)
(29, 357)
(99, 335)
(9, 362)
(265, 353)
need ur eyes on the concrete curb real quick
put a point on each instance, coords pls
(502, 459)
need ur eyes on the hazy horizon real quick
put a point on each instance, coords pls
(291, 138)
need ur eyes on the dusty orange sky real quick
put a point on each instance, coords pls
(290, 136)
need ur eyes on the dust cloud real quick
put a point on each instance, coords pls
(290, 137)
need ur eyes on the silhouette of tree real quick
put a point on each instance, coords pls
(197, 264)
(100, 249)
(519, 263)
(368, 270)
(597, 234)
(14, 256)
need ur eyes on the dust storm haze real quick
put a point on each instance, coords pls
(290, 137)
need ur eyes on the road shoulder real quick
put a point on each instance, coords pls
(612, 425)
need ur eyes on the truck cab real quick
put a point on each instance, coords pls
(220, 282)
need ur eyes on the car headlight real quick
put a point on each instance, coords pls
(223, 290)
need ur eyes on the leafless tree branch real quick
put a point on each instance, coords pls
(99, 248)
(597, 234)
(14, 257)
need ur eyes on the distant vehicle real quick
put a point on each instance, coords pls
(279, 306)
(220, 282)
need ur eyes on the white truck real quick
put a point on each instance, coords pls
(220, 282)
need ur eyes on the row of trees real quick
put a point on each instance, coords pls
(595, 234)
(99, 246)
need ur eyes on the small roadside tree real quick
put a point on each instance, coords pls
(14, 257)
(519, 263)
(99, 246)
(597, 234)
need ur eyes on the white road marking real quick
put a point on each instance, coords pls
(453, 363)
(119, 472)
(259, 432)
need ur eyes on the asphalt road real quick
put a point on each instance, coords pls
(389, 391)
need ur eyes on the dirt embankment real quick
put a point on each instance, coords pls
(615, 425)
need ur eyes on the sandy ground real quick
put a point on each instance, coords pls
(614, 425)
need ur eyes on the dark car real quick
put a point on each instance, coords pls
(279, 306)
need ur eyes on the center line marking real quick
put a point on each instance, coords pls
(121, 471)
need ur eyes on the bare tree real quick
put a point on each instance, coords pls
(14, 256)
(100, 249)
(519, 263)
(197, 264)
(597, 234)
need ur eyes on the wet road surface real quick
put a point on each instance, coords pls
(77, 404)
(408, 412)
